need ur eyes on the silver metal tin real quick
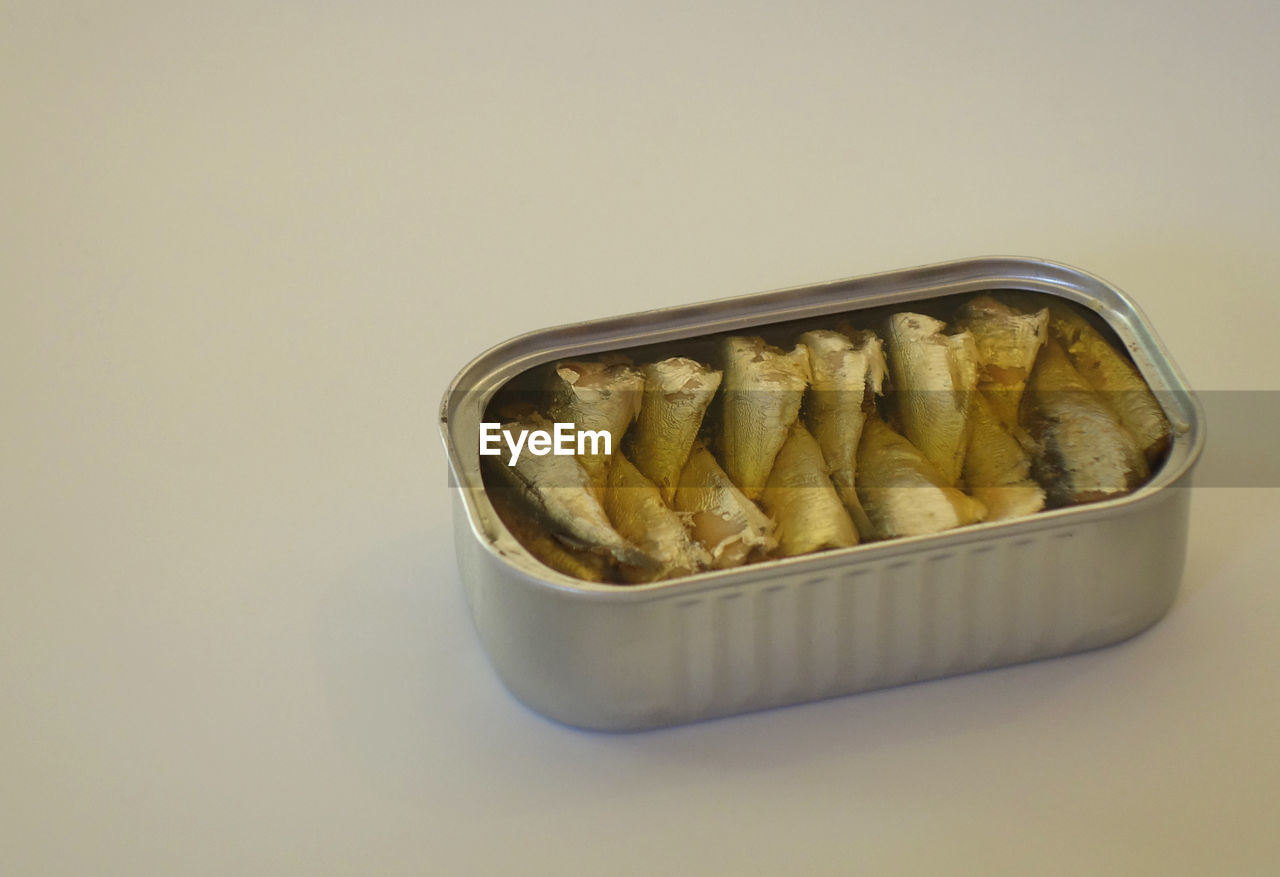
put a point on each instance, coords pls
(833, 623)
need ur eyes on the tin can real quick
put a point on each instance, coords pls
(833, 623)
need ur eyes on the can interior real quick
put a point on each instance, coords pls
(523, 391)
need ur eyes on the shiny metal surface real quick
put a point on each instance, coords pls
(833, 623)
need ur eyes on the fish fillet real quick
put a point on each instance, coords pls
(1082, 452)
(596, 396)
(730, 526)
(934, 376)
(544, 545)
(638, 513)
(561, 492)
(903, 492)
(763, 387)
(799, 495)
(677, 392)
(1008, 341)
(848, 371)
(1115, 377)
(997, 470)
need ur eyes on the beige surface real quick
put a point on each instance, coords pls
(246, 246)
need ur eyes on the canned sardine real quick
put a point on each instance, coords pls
(841, 487)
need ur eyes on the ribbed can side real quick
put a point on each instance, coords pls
(885, 622)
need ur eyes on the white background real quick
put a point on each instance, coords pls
(245, 247)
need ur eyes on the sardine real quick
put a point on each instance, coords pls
(1083, 453)
(636, 509)
(596, 396)
(730, 526)
(763, 387)
(546, 546)
(559, 490)
(1008, 341)
(934, 376)
(799, 495)
(676, 394)
(903, 492)
(1115, 377)
(997, 470)
(848, 372)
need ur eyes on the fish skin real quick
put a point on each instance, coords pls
(848, 371)
(903, 492)
(997, 469)
(1082, 451)
(802, 500)
(1008, 341)
(636, 508)
(731, 527)
(1115, 377)
(596, 396)
(677, 392)
(763, 388)
(935, 376)
(559, 490)
(544, 545)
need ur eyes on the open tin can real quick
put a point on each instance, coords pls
(832, 623)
